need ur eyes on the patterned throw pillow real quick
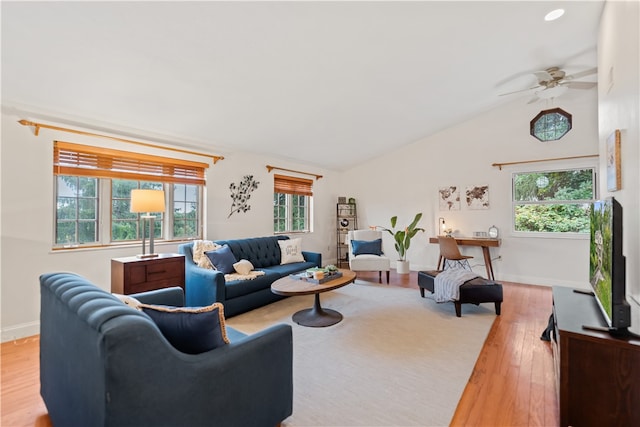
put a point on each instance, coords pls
(199, 248)
(290, 251)
(190, 330)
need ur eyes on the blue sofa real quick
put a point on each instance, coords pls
(103, 363)
(204, 287)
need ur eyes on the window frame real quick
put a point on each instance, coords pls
(104, 196)
(290, 187)
(551, 234)
(289, 206)
(77, 220)
(105, 165)
(543, 114)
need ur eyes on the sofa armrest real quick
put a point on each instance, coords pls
(246, 383)
(173, 296)
(204, 286)
(313, 257)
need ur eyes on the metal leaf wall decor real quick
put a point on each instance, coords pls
(241, 193)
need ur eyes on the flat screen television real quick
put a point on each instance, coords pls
(607, 265)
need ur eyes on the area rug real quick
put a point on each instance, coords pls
(396, 359)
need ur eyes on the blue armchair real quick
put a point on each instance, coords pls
(103, 363)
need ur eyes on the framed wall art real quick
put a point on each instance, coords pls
(614, 174)
(477, 197)
(449, 198)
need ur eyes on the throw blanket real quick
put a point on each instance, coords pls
(236, 276)
(446, 285)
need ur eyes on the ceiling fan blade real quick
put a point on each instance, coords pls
(582, 74)
(543, 76)
(533, 100)
(580, 85)
(521, 91)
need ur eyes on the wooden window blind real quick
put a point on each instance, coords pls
(97, 162)
(292, 185)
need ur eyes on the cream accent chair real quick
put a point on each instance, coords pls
(368, 262)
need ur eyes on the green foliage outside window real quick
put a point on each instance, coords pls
(126, 225)
(290, 213)
(185, 211)
(556, 202)
(77, 210)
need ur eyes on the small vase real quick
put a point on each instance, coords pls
(402, 267)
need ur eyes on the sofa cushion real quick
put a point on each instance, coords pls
(286, 269)
(238, 288)
(222, 259)
(190, 330)
(290, 251)
(367, 247)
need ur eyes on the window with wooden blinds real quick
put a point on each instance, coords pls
(97, 162)
(292, 185)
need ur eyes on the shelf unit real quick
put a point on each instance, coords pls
(346, 220)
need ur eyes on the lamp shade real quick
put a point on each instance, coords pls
(147, 201)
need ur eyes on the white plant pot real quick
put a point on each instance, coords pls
(402, 267)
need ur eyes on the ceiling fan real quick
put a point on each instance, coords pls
(553, 82)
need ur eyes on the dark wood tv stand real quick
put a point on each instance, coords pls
(597, 375)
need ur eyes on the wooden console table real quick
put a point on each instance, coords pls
(484, 243)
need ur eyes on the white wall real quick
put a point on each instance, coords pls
(619, 108)
(27, 221)
(407, 182)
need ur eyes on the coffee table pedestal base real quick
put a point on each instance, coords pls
(317, 317)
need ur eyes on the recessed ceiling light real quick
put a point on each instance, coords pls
(554, 14)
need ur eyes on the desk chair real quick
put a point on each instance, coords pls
(368, 261)
(450, 254)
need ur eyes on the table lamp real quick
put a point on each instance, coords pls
(147, 201)
(441, 226)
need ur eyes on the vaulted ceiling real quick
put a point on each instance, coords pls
(320, 83)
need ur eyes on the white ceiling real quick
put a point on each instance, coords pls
(321, 83)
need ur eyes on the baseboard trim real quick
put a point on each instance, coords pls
(22, 330)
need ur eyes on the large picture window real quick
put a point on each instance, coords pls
(553, 201)
(94, 183)
(291, 204)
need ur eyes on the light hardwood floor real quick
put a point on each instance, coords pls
(512, 383)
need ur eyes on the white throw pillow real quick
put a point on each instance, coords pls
(290, 251)
(199, 249)
(243, 267)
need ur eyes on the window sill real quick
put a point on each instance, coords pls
(550, 235)
(97, 247)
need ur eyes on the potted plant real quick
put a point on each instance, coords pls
(402, 240)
